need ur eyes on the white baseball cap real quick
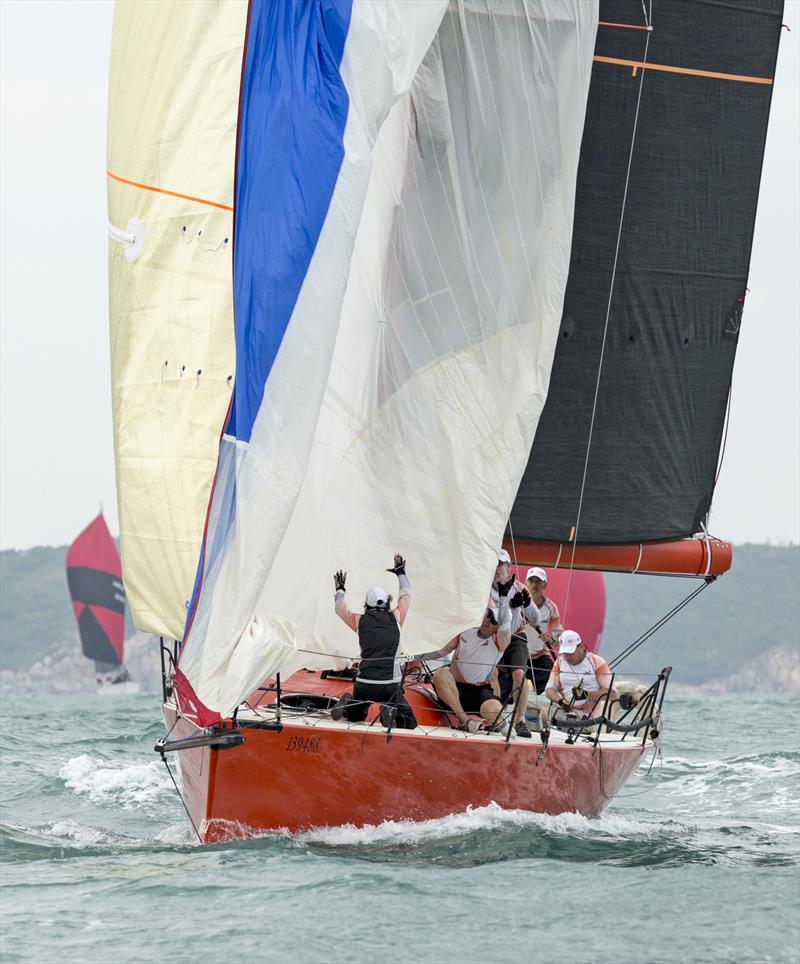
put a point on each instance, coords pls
(536, 573)
(569, 642)
(503, 556)
(376, 597)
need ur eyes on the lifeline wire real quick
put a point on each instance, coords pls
(648, 21)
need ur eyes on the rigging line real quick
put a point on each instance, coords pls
(180, 797)
(659, 624)
(608, 315)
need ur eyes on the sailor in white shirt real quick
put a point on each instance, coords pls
(466, 684)
(579, 679)
(543, 634)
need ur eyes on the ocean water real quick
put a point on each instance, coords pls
(699, 860)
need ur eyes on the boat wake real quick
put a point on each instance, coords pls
(698, 794)
(491, 834)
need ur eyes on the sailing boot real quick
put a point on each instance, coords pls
(521, 729)
(340, 706)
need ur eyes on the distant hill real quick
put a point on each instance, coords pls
(752, 610)
(748, 611)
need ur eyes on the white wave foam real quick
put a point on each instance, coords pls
(128, 784)
(80, 834)
(491, 817)
(177, 835)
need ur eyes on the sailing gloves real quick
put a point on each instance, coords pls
(339, 579)
(522, 598)
(399, 568)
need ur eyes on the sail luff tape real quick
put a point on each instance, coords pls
(132, 238)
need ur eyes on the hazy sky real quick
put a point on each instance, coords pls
(57, 456)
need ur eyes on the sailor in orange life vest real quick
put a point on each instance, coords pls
(513, 666)
(543, 634)
(465, 686)
(579, 678)
(379, 679)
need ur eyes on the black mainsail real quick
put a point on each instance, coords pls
(680, 278)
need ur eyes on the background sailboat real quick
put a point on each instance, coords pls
(94, 577)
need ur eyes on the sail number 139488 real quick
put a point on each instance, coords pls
(303, 744)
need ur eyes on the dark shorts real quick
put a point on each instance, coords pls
(473, 696)
(391, 698)
(515, 657)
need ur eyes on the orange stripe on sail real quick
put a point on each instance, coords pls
(161, 190)
(636, 64)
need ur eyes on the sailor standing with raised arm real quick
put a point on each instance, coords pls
(513, 666)
(378, 627)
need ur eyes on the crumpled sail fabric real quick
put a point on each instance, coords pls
(431, 402)
(403, 190)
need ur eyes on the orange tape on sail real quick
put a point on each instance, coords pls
(637, 64)
(161, 190)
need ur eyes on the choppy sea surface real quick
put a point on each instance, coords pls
(699, 860)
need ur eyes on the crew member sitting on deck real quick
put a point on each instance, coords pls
(544, 633)
(579, 679)
(465, 686)
(379, 679)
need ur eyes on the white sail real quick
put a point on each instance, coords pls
(403, 181)
(448, 328)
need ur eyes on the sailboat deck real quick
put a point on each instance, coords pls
(311, 722)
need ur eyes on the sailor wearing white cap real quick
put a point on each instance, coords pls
(378, 628)
(543, 636)
(579, 678)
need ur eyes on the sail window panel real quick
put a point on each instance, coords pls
(680, 278)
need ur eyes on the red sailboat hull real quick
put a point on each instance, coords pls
(316, 772)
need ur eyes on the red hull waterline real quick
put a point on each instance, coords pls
(316, 772)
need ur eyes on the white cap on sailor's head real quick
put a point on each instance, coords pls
(536, 573)
(503, 556)
(376, 597)
(569, 642)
